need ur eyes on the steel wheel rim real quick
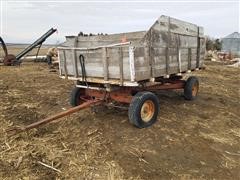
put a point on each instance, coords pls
(147, 110)
(194, 89)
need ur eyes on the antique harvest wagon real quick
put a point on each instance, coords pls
(130, 67)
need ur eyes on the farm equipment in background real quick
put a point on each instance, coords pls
(10, 59)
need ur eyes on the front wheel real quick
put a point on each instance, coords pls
(143, 109)
(76, 95)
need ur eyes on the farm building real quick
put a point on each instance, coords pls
(231, 43)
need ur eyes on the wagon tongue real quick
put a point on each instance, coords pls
(18, 129)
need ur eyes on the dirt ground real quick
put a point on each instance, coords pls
(191, 140)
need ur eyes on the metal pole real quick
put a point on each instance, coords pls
(16, 130)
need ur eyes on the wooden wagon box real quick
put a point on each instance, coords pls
(169, 47)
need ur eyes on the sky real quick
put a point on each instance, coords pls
(25, 21)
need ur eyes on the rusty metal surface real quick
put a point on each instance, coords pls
(84, 105)
(177, 84)
(4, 46)
(125, 94)
(122, 95)
(9, 60)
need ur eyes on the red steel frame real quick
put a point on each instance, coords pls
(125, 94)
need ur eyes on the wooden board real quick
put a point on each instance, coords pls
(170, 46)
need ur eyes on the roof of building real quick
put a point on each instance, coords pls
(234, 35)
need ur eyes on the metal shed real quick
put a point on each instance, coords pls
(231, 43)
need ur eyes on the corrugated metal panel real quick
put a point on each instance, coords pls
(234, 35)
(231, 43)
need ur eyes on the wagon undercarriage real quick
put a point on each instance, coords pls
(143, 103)
(125, 94)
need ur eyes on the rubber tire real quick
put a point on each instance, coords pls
(134, 111)
(75, 97)
(191, 81)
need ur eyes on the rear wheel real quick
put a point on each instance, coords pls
(191, 88)
(143, 109)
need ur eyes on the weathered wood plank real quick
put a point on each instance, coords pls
(167, 48)
(178, 26)
(99, 40)
(198, 49)
(179, 54)
(65, 65)
(131, 64)
(120, 56)
(74, 55)
(105, 63)
(189, 58)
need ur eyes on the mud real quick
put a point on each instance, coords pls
(191, 140)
